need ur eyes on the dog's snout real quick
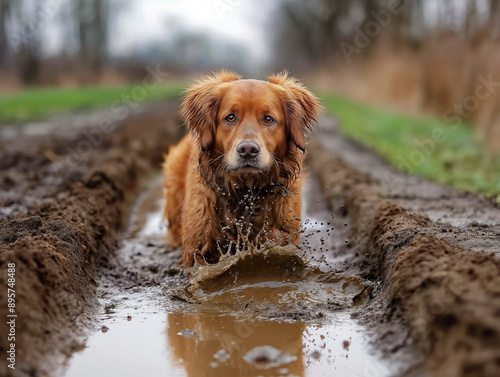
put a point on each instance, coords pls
(248, 149)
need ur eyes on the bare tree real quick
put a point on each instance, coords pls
(27, 19)
(92, 19)
(5, 6)
(472, 19)
(494, 17)
(309, 32)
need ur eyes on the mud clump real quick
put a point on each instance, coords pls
(451, 298)
(55, 226)
(392, 230)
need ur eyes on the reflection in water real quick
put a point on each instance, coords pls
(147, 346)
(338, 348)
(215, 332)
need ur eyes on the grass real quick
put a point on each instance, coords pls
(426, 147)
(39, 103)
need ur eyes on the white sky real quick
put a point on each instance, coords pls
(141, 21)
(238, 20)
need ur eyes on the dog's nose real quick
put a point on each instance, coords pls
(248, 149)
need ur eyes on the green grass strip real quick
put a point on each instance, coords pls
(426, 147)
(39, 103)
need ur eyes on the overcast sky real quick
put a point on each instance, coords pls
(141, 21)
(234, 19)
(242, 21)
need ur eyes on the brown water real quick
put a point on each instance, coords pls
(272, 313)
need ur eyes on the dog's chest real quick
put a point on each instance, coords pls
(249, 212)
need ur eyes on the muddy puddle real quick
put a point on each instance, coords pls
(281, 312)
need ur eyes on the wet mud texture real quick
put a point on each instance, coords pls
(430, 253)
(58, 220)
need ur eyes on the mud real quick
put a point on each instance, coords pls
(436, 276)
(406, 261)
(58, 221)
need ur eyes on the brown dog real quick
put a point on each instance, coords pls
(238, 172)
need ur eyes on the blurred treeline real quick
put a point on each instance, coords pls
(24, 45)
(417, 55)
(69, 42)
(310, 32)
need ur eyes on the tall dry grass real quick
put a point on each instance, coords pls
(432, 80)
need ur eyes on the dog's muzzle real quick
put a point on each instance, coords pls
(248, 150)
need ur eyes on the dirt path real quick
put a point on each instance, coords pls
(423, 254)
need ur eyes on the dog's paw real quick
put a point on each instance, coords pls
(280, 237)
(172, 242)
(210, 253)
(171, 245)
(187, 259)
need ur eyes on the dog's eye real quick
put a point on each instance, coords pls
(231, 118)
(268, 119)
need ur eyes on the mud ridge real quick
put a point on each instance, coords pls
(56, 225)
(427, 289)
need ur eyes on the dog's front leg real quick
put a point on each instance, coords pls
(285, 219)
(200, 228)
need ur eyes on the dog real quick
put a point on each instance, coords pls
(238, 171)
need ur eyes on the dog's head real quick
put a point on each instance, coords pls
(249, 126)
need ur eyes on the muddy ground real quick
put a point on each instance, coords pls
(64, 201)
(426, 254)
(432, 253)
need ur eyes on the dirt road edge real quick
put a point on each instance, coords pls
(448, 297)
(74, 222)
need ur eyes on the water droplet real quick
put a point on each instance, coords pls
(222, 355)
(187, 333)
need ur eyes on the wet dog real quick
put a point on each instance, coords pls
(238, 171)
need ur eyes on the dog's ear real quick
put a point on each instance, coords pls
(301, 108)
(201, 103)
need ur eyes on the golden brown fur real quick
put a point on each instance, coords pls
(238, 171)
